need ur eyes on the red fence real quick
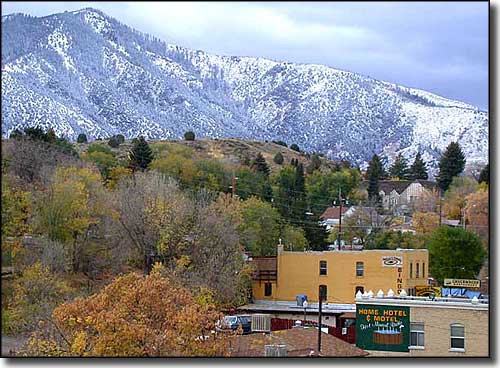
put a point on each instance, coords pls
(285, 324)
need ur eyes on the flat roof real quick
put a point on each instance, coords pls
(425, 302)
(292, 307)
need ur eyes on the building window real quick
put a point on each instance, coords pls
(323, 292)
(417, 334)
(359, 288)
(423, 270)
(322, 268)
(417, 273)
(457, 335)
(268, 289)
(411, 270)
(360, 268)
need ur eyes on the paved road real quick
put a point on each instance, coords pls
(12, 344)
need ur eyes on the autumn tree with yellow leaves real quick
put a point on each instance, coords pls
(134, 316)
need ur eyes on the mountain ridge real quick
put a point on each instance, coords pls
(136, 84)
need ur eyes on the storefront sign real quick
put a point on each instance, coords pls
(462, 283)
(392, 261)
(428, 291)
(385, 328)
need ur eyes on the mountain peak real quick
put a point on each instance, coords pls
(125, 81)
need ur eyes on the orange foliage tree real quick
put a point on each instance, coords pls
(136, 316)
(476, 212)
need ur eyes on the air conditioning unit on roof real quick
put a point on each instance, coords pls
(261, 323)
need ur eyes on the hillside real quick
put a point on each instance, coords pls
(231, 151)
(84, 71)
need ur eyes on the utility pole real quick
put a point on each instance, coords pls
(440, 207)
(233, 185)
(319, 319)
(340, 216)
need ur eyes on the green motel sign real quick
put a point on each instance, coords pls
(382, 327)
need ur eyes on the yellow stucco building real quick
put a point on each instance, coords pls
(339, 274)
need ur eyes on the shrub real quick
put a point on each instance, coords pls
(113, 142)
(189, 136)
(82, 138)
(295, 147)
(278, 158)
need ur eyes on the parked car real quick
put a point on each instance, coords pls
(233, 322)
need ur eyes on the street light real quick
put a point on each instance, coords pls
(305, 305)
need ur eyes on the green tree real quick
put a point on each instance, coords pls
(104, 162)
(399, 168)
(113, 142)
(120, 138)
(281, 143)
(51, 135)
(16, 134)
(251, 183)
(455, 253)
(36, 293)
(316, 234)
(295, 147)
(278, 158)
(294, 238)
(375, 172)
(452, 164)
(260, 227)
(260, 165)
(484, 176)
(189, 135)
(82, 138)
(141, 155)
(323, 188)
(418, 169)
(299, 194)
(315, 164)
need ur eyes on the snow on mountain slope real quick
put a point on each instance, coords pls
(85, 72)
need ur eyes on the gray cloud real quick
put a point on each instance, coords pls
(441, 47)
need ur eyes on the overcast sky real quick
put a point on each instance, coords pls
(437, 46)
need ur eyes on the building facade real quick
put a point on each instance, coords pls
(421, 327)
(339, 274)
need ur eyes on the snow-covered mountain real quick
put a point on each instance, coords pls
(83, 71)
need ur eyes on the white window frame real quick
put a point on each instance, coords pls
(413, 329)
(457, 337)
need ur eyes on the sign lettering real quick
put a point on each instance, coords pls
(385, 328)
(462, 283)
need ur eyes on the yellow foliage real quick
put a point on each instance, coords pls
(425, 223)
(137, 316)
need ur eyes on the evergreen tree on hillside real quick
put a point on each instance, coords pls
(316, 234)
(82, 138)
(399, 168)
(484, 176)
(260, 165)
(299, 207)
(51, 135)
(141, 155)
(452, 164)
(278, 158)
(295, 147)
(374, 173)
(418, 169)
